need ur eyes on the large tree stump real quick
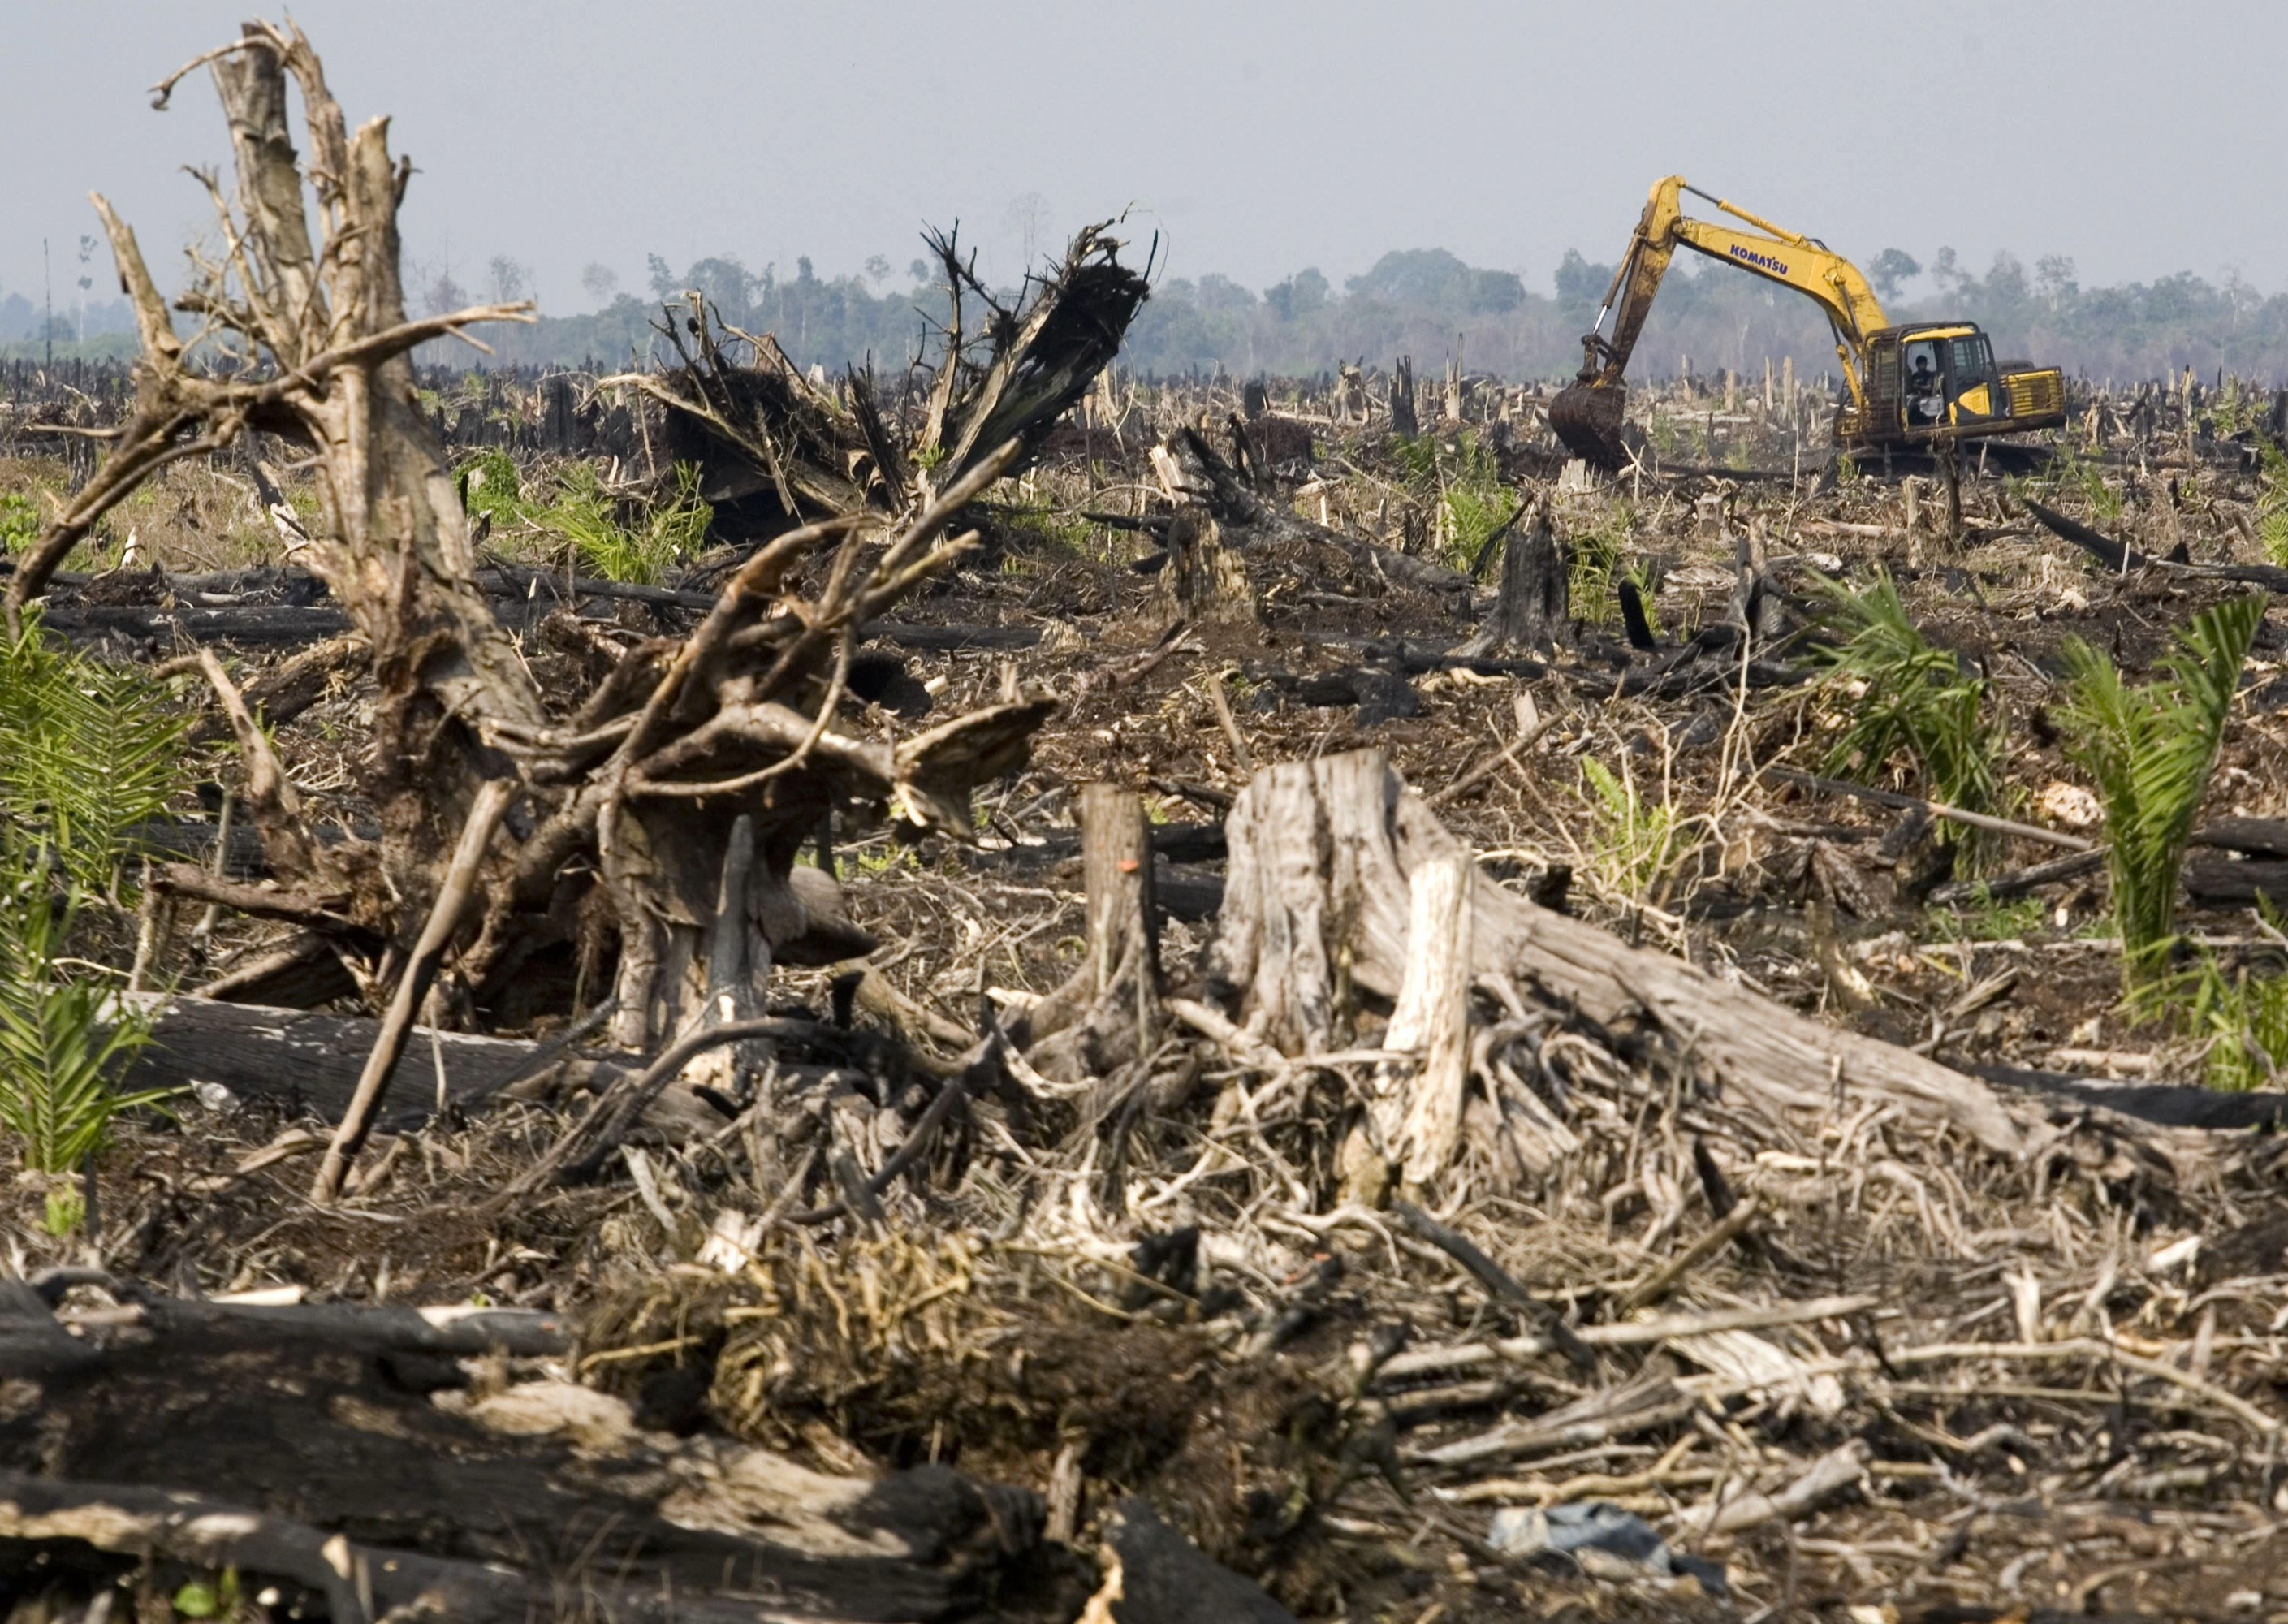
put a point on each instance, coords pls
(1204, 581)
(1319, 918)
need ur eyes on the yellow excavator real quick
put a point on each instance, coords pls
(1923, 386)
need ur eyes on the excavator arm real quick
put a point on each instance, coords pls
(1587, 415)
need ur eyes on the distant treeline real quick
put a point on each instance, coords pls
(1424, 302)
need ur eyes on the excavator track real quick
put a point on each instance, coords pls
(1587, 417)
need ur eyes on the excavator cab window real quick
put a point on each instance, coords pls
(1925, 385)
(1970, 379)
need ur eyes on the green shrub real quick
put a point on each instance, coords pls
(2150, 750)
(490, 484)
(20, 520)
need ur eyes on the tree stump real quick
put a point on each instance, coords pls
(1534, 611)
(1204, 581)
(1320, 917)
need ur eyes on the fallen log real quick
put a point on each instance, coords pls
(360, 1479)
(2220, 879)
(2120, 557)
(1916, 803)
(2253, 837)
(2162, 1104)
(2019, 882)
(310, 1062)
(260, 625)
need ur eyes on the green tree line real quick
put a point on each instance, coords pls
(1426, 303)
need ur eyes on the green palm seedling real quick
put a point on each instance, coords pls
(60, 1042)
(1916, 699)
(87, 752)
(2150, 750)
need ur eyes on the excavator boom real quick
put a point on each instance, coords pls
(1588, 413)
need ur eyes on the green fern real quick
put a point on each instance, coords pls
(1917, 700)
(2150, 750)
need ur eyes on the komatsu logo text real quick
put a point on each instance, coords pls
(1778, 267)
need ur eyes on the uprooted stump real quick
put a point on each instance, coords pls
(597, 824)
(776, 447)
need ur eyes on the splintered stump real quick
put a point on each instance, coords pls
(1413, 1119)
(1335, 909)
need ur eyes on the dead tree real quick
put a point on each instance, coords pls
(625, 864)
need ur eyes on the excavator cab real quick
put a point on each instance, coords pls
(1941, 378)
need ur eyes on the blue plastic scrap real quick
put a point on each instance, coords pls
(1601, 1540)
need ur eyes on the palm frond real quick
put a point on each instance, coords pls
(60, 1042)
(87, 751)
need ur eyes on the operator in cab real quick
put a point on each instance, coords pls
(1925, 401)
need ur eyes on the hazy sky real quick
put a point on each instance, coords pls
(1256, 139)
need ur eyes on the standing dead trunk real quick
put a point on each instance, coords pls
(1403, 420)
(1106, 1013)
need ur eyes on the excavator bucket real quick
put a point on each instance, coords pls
(1587, 417)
